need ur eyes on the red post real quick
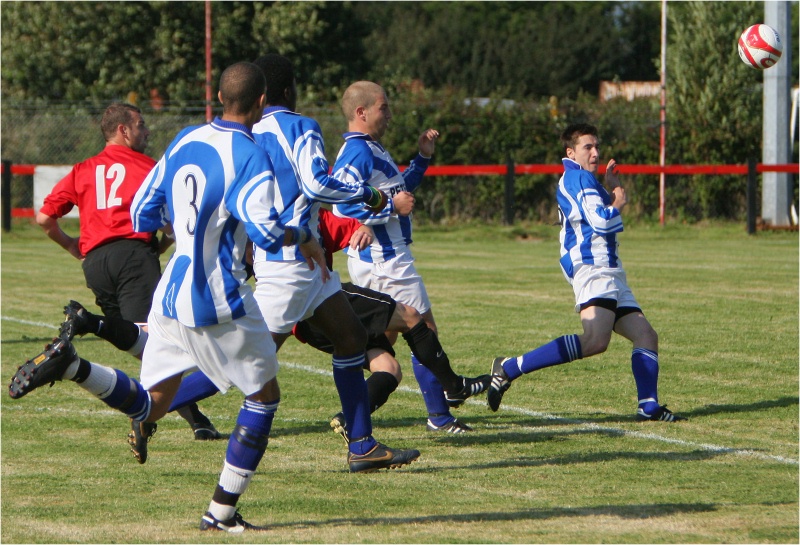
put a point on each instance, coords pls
(662, 156)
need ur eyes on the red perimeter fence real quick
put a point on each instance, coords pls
(508, 171)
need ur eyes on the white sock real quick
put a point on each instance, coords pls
(101, 380)
(138, 347)
(220, 511)
(234, 480)
(71, 370)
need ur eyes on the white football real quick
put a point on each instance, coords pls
(760, 46)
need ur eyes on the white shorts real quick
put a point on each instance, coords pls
(591, 282)
(289, 291)
(397, 277)
(238, 353)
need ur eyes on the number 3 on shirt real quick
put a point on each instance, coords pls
(116, 172)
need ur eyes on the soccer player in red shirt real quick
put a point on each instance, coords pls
(121, 266)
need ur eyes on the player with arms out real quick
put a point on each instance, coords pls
(590, 220)
(387, 265)
(216, 185)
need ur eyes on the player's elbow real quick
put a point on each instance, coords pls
(44, 221)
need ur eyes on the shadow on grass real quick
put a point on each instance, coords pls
(77, 341)
(583, 458)
(787, 401)
(635, 511)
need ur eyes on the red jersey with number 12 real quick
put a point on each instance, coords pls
(102, 187)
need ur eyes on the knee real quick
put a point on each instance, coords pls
(410, 315)
(594, 344)
(382, 361)
(648, 339)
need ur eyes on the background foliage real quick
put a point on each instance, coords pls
(537, 65)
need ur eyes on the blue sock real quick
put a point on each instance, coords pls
(129, 397)
(251, 434)
(644, 364)
(561, 350)
(193, 388)
(432, 393)
(348, 374)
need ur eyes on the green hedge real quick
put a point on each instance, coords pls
(473, 132)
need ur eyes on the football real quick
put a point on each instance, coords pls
(760, 46)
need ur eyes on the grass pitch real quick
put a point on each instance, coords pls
(563, 461)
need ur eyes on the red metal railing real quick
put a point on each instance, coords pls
(503, 170)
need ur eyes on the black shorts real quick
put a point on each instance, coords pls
(374, 310)
(123, 275)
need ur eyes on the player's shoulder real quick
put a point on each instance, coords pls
(578, 177)
(358, 146)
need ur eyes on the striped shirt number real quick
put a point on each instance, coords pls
(191, 185)
(116, 172)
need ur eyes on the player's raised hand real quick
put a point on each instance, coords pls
(427, 142)
(620, 198)
(612, 178)
(403, 203)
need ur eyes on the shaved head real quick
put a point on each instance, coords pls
(360, 94)
(240, 87)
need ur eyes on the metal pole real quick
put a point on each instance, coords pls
(752, 175)
(776, 187)
(662, 155)
(209, 113)
(5, 196)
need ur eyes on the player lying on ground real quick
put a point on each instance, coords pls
(381, 313)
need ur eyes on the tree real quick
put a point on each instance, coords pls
(715, 101)
(525, 49)
(73, 51)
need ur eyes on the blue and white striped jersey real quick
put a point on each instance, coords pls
(363, 160)
(215, 185)
(589, 223)
(294, 143)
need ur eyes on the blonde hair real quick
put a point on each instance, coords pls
(360, 94)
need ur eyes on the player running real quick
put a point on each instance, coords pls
(216, 185)
(288, 290)
(387, 265)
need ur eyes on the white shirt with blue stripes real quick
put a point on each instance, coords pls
(589, 224)
(363, 160)
(294, 143)
(215, 185)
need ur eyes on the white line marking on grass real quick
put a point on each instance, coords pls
(28, 322)
(527, 412)
(590, 426)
